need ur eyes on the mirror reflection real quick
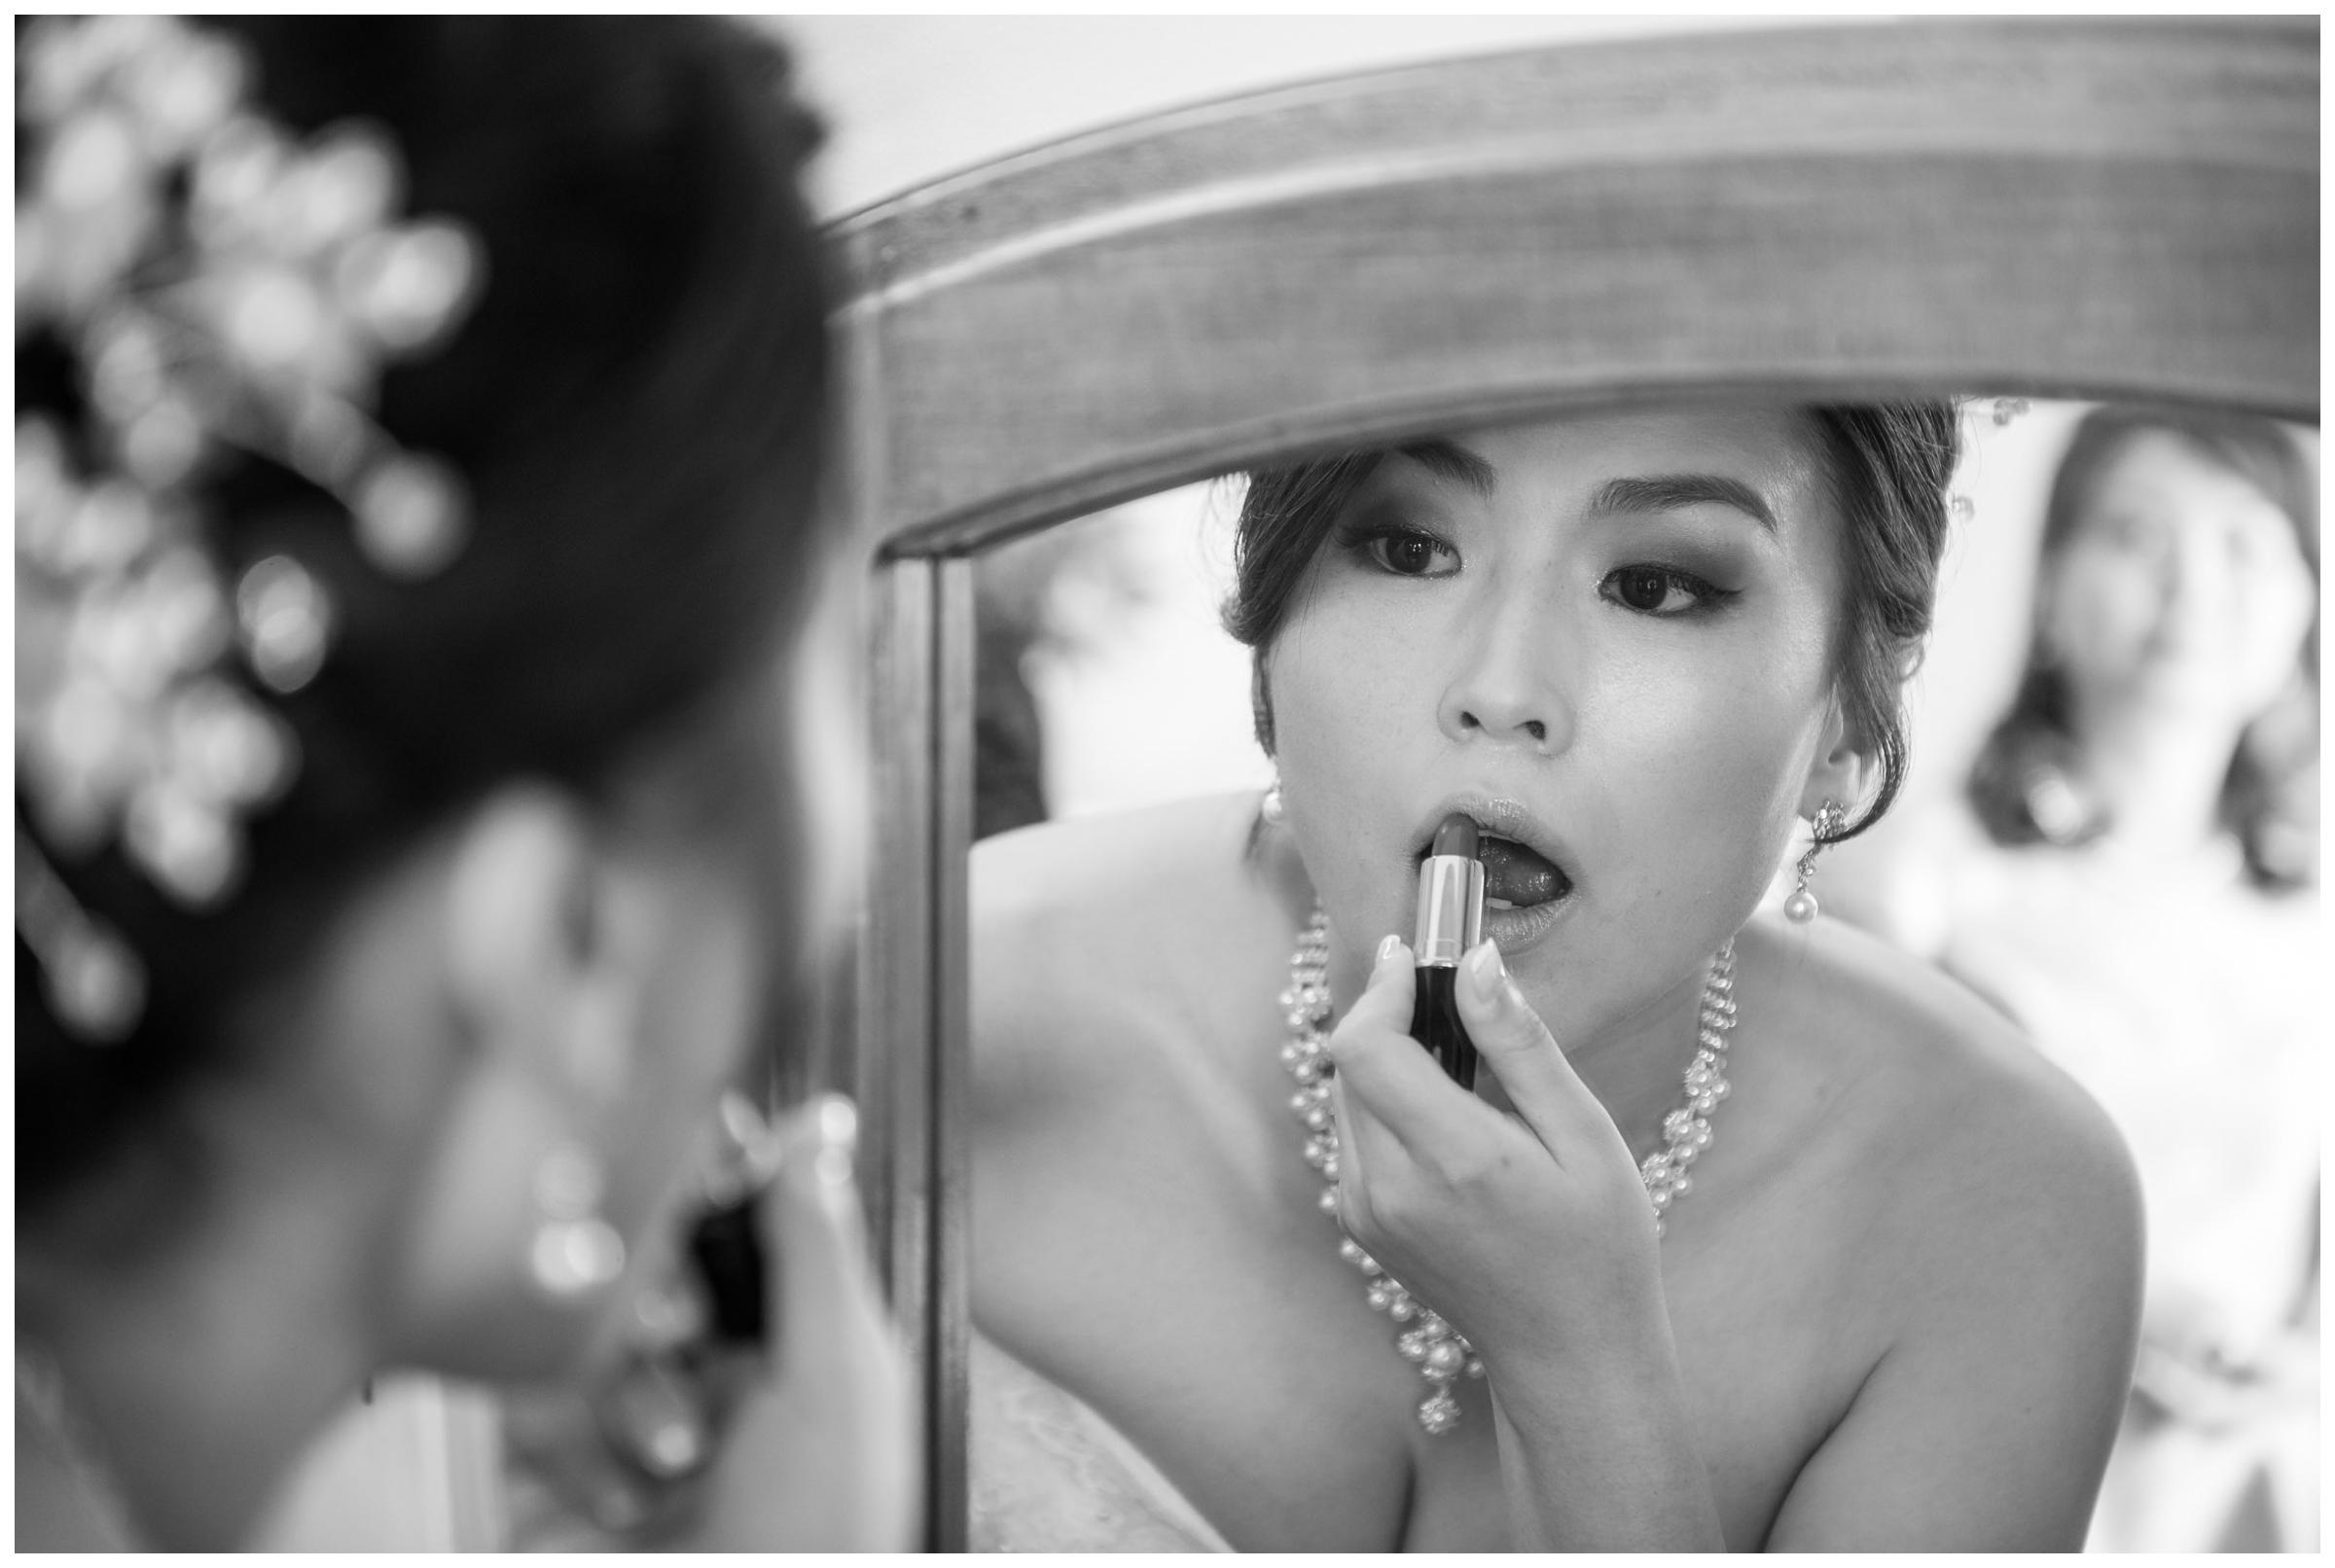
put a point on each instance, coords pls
(1897, 841)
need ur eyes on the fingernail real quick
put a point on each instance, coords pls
(1484, 966)
(746, 1152)
(667, 1313)
(1388, 945)
(837, 1126)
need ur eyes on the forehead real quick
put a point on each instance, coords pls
(1551, 462)
(2157, 471)
(1563, 465)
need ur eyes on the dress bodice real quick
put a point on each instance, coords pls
(1047, 1474)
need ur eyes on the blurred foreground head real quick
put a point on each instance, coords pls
(419, 425)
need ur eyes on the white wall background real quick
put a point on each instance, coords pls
(912, 98)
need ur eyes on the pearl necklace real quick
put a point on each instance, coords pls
(1439, 1352)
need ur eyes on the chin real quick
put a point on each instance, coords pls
(517, 1342)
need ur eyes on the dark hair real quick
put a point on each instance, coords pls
(636, 404)
(1887, 465)
(2021, 784)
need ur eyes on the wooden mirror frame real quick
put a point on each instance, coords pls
(2088, 208)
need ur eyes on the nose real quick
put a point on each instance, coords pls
(1506, 684)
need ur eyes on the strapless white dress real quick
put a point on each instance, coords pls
(1045, 1473)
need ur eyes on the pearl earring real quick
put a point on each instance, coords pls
(1801, 907)
(1271, 808)
(575, 1253)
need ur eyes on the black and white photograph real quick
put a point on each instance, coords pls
(1087, 783)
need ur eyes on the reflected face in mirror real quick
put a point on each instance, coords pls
(1614, 634)
(2181, 587)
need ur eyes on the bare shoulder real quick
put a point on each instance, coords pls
(1085, 930)
(1985, 1264)
(1136, 865)
(1091, 905)
(1984, 1162)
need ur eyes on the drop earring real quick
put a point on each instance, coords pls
(1801, 907)
(575, 1253)
(1271, 809)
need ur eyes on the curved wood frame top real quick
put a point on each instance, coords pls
(2101, 208)
(2089, 207)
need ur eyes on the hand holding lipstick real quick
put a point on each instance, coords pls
(1532, 1234)
(798, 1445)
(1528, 1231)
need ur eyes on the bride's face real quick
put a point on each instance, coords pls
(1608, 637)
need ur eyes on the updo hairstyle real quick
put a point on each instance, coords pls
(636, 405)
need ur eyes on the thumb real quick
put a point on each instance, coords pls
(1384, 1004)
(1509, 1035)
(825, 1459)
(815, 1237)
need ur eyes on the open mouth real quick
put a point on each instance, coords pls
(1516, 876)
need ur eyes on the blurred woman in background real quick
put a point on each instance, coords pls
(425, 744)
(2136, 887)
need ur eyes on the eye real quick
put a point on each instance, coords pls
(1404, 553)
(1661, 590)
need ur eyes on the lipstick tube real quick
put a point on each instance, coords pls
(1449, 921)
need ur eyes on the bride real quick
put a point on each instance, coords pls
(1753, 1233)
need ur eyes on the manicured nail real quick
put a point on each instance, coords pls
(747, 1154)
(1388, 945)
(837, 1126)
(1485, 967)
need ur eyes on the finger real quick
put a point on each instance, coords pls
(823, 1458)
(815, 1235)
(1542, 1086)
(560, 1471)
(1363, 1141)
(1364, 1144)
(1392, 1089)
(1384, 1004)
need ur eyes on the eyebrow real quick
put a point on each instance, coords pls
(1676, 492)
(1449, 460)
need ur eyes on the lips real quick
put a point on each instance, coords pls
(1523, 865)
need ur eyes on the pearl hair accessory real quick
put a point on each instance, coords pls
(2005, 411)
(1801, 907)
(218, 288)
(1439, 1352)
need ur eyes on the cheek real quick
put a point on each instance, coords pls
(2271, 629)
(1354, 737)
(828, 772)
(1701, 764)
(695, 1019)
(2102, 606)
(1336, 693)
(1345, 685)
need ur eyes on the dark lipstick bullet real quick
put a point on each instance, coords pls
(1451, 921)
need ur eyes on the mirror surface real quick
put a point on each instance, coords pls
(1168, 1351)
